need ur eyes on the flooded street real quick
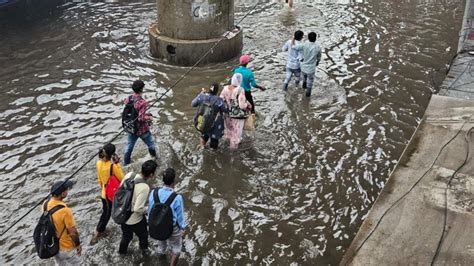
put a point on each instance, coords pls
(297, 189)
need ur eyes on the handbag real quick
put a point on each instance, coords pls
(234, 110)
(250, 122)
(112, 185)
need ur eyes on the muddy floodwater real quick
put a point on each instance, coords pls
(297, 189)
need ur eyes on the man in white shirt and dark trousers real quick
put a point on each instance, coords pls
(137, 222)
(175, 242)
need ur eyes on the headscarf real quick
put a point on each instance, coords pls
(236, 80)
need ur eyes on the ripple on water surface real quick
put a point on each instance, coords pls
(297, 189)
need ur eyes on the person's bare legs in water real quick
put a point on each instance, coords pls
(290, 3)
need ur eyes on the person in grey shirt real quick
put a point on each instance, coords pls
(311, 54)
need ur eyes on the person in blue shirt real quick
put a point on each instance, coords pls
(293, 63)
(248, 80)
(175, 242)
(311, 54)
(217, 130)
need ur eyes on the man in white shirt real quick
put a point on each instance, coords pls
(137, 222)
(293, 64)
(311, 54)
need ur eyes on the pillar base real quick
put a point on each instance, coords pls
(188, 52)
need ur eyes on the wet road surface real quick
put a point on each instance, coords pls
(297, 189)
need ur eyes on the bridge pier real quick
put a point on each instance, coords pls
(186, 29)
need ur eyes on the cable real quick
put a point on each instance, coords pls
(412, 187)
(149, 107)
(458, 76)
(445, 220)
(424, 174)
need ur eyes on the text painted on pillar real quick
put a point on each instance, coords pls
(202, 10)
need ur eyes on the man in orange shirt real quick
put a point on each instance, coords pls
(69, 243)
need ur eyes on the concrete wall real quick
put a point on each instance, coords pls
(195, 19)
(459, 82)
(188, 52)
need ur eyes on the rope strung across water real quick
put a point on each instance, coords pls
(149, 107)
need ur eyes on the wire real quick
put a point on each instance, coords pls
(412, 187)
(458, 76)
(150, 106)
(445, 220)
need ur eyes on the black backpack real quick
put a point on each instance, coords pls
(46, 240)
(160, 222)
(122, 204)
(130, 117)
(205, 116)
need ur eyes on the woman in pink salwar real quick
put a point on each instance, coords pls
(233, 127)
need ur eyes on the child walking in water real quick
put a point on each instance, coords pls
(248, 79)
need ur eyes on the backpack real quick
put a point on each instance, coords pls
(122, 204)
(44, 236)
(205, 116)
(160, 221)
(112, 185)
(234, 109)
(130, 117)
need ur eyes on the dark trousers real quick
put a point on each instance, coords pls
(248, 96)
(140, 229)
(214, 142)
(105, 216)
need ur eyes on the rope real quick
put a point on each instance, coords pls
(149, 107)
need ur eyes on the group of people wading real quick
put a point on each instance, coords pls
(162, 202)
(225, 116)
(125, 197)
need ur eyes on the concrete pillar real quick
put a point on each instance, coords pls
(186, 29)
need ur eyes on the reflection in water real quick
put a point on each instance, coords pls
(298, 188)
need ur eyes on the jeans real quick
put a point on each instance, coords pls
(289, 73)
(132, 139)
(308, 79)
(140, 229)
(105, 216)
